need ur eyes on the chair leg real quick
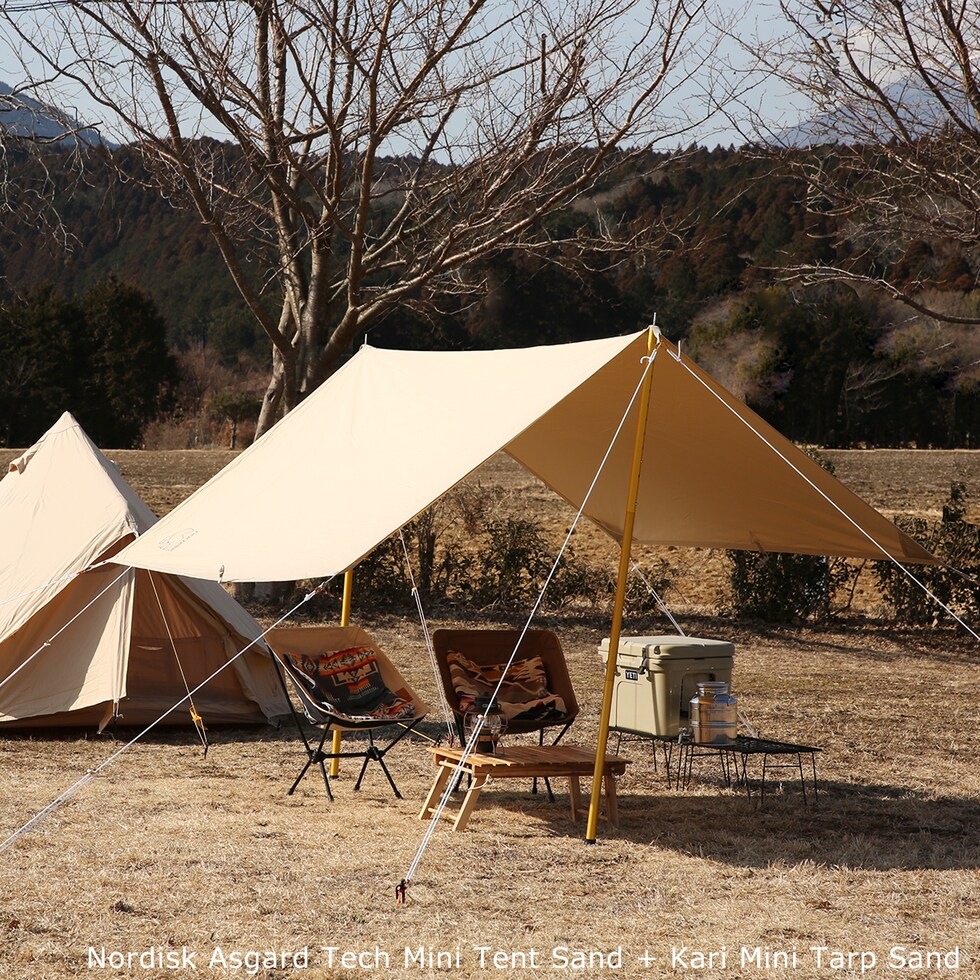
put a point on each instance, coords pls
(547, 784)
(302, 773)
(534, 782)
(561, 734)
(558, 738)
(378, 755)
(384, 769)
(364, 765)
(314, 756)
(326, 779)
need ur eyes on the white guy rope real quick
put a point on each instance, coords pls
(832, 503)
(51, 639)
(447, 712)
(195, 716)
(41, 588)
(472, 740)
(746, 724)
(660, 602)
(92, 773)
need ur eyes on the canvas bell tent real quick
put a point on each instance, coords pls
(80, 645)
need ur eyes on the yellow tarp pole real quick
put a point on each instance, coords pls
(620, 600)
(344, 621)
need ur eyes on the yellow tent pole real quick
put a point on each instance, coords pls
(344, 621)
(620, 600)
(348, 592)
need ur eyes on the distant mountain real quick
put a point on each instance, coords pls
(24, 117)
(918, 109)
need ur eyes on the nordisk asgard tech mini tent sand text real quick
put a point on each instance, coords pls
(80, 647)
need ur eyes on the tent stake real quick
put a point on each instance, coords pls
(344, 621)
(620, 601)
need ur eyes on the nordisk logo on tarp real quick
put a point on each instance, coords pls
(174, 541)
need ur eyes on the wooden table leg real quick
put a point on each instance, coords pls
(574, 796)
(612, 805)
(432, 800)
(469, 802)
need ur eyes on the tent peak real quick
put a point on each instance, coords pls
(65, 422)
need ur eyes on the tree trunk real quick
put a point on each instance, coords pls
(272, 399)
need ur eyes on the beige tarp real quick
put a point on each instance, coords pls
(111, 631)
(714, 474)
(393, 430)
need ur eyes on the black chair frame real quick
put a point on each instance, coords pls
(320, 718)
(373, 753)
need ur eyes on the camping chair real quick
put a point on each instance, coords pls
(344, 682)
(537, 693)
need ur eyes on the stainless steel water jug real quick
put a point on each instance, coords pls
(713, 714)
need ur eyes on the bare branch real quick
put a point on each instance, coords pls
(893, 129)
(379, 149)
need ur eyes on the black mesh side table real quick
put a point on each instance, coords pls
(667, 745)
(737, 754)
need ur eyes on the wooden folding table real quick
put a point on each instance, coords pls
(522, 762)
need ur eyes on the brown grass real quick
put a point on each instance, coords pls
(168, 849)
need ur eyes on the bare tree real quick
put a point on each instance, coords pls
(371, 151)
(893, 87)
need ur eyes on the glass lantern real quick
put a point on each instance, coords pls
(494, 725)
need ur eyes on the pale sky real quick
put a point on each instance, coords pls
(763, 97)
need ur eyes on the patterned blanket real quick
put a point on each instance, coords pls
(348, 683)
(524, 695)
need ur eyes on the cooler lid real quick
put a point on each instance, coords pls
(670, 647)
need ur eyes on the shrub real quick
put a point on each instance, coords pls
(440, 567)
(514, 562)
(640, 601)
(956, 543)
(236, 408)
(787, 588)
(783, 588)
(461, 553)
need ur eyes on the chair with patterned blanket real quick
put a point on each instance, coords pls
(537, 692)
(344, 682)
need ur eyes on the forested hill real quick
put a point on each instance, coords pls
(826, 365)
(108, 222)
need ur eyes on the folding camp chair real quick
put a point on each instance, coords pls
(344, 682)
(537, 692)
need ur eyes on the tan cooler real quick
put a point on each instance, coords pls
(656, 677)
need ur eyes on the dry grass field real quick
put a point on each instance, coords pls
(207, 859)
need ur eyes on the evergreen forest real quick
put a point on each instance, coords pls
(115, 304)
